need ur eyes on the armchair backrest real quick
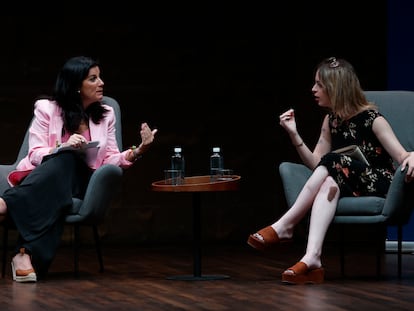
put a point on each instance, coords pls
(114, 104)
(398, 108)
(24, 148)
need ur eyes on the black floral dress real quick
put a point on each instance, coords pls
(354, 177)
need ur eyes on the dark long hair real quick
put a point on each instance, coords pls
(66, 94)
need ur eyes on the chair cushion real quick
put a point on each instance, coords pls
(360, 206)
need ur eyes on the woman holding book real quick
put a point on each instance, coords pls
(54, 171)
(351, 120)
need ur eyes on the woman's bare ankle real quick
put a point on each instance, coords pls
(282, 233)
(3, 207)
(312, 263)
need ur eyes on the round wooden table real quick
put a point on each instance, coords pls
(196, 185)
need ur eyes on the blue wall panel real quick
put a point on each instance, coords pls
(400, 68)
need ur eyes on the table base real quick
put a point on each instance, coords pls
(207, 277)
(196, 185)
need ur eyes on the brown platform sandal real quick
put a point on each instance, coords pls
(301, 274)
(265, 238)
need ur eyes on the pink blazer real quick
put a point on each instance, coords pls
(46, 130)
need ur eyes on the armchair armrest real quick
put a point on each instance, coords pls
(4, 171)
(399, 201)
(294, 177)
(104, 186)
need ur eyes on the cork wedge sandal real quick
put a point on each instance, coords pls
(301, 274)
(265, 238)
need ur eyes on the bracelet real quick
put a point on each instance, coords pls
(57, 149)
(299, 145)
(136, 156)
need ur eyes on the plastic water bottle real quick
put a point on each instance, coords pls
(177, 161)
(216, 163)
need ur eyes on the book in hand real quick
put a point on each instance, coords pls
(82, 148)
(87, 150)
(353, 151)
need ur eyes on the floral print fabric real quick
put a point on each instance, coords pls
(354, 177)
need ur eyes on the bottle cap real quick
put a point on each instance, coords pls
(177, 149)
(216, 149)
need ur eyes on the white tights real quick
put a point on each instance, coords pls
(320, 193)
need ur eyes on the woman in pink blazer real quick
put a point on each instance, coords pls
(71, 118)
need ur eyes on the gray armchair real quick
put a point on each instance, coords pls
(396, 208)
(104, 186)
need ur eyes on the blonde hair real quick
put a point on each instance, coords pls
(341, 84)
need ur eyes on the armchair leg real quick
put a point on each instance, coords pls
(76, 246)
(98, 247)
(5, 247)
(399, 251)
(342, 248)
(380, 249)
(76, 249)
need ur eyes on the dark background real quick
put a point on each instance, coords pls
(206, 76)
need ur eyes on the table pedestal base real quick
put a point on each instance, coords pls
(196, 185)
(197, 275)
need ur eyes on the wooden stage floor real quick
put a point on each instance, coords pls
(136, 278)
